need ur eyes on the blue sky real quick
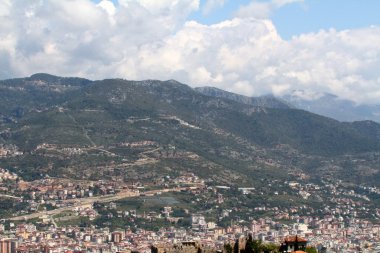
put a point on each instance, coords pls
(313, 15)
(307, 16)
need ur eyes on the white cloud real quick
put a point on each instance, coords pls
(307, 95)
(256, 10)
(301, 76)
(262, 9)
(108, 6)
(5, 7)
(165, 13)
(211, 5)
(244, 87)
(150, 39)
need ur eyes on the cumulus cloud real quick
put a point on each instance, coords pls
(211, 5)
(141, 39)
(262, 9)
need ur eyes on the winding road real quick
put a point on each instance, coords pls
(78, 203)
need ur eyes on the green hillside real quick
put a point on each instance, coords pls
(184, 129)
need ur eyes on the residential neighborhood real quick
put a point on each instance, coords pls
(51, 204)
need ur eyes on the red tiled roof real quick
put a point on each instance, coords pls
(295, 239)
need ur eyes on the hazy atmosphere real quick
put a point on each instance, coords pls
(247, 47)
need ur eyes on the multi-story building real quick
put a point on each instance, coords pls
(8, 246)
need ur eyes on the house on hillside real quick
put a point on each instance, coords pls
(294, 244)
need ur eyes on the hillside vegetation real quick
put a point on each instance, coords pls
(74, 127)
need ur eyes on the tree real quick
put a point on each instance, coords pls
(270, 247)
(236, 247)
(228, 248)
(253, 246)
(311, 250)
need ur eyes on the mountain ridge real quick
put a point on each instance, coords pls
(333, 106)
(154, 97)
(325, 104)
(105, 118)
(267, 101)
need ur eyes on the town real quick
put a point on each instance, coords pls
(327, 235)
(61, 215)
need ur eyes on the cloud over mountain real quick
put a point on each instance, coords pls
(140, 39)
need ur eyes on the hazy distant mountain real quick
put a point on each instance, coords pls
(268, 101)
(332, 106)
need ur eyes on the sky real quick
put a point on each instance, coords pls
(250, 47)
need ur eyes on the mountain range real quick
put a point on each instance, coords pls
(139, 130)
(324, 104)
(332, 106)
